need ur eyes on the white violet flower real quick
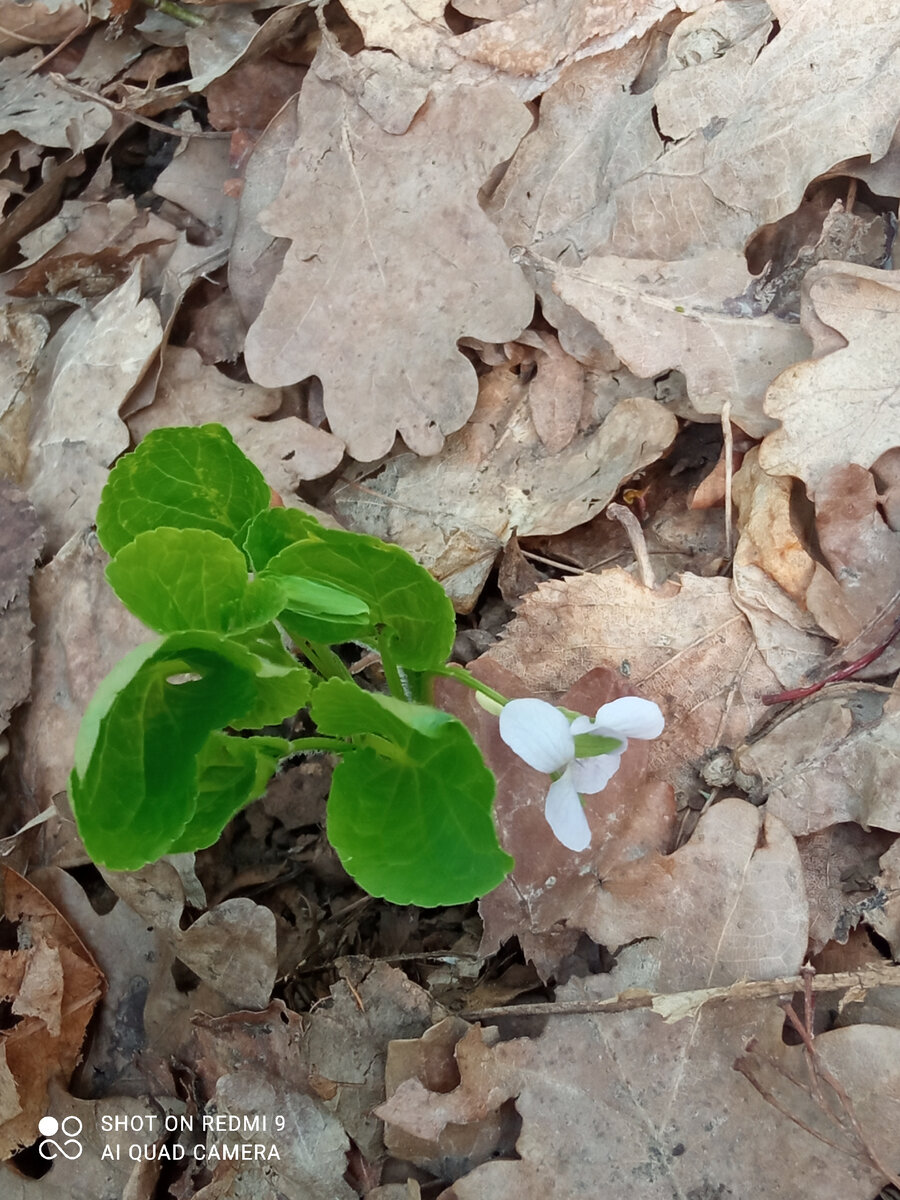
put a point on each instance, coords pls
(565, 748)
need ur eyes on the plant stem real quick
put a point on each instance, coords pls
(325, 661)
(334, 744)
(461, 675)
(391, 671)
(172, 9)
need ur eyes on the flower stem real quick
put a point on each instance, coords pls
(461, 675)
(391, 671)
(307, 744)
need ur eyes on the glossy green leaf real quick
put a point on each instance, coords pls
(185, 478)
(274, 530)
(410, 810)
(232, 772)
(178, 579)
(282, 687)
(410, 616)
(134, 783)
(308, 598)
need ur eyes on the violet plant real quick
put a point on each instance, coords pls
(185, 731)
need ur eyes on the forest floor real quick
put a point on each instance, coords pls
(592, 308)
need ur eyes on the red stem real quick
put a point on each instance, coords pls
(834, 677)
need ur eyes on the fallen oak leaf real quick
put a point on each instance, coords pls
(346, 205)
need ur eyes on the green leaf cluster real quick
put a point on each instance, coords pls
(174, 743)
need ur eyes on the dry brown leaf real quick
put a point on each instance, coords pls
(89, 248)
(839, 867)
(548, 896)
(81, 632)
(388, 363)
(349, 1035)
(20, 544)
(686, 315)
(52, 985)
(685, 645)
(87, 371)
(771, 572)
(885, 919)
(654, 1109)
(48, 23)
(540, 37)
(728, 905)
(287, 450)
(841, 406)
(455, 526)
(856, 601)
(438, 1146)
(834, 760)
(252, 93)
(41, 110)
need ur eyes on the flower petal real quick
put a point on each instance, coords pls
(629, 717)
(591, 775)
(538, 733)
(565, 814)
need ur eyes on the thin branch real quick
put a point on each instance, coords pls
(122, 109)
(632, 526)
(673, 1006)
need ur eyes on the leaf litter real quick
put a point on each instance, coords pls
(475, 278)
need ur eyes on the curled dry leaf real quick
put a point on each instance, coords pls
(286, 450)
(839, 868)
(684, 645)
(543, 900)
(433, 508)
(839, 406)
(356, 227)
(771, 573)
(51, 985)
(834, 760)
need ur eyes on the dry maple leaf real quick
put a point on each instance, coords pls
(391, 261)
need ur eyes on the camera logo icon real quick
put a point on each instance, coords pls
(70, 1127)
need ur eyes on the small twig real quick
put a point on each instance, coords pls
(835, 677)
(173, 9)
(675, 1005)
(632, 526)
(728, 435)
(51, 54)
(124, 111)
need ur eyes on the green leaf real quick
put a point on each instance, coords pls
(410, 616)
(274, 530)
(410, 809)
(134, 783)
(185, 478)
(232, 772)
(179, 579)
(282, 686)
(308, 598)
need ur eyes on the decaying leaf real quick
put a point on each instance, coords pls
(356, 224)
(51, 985)
(433, 509)
(832, 761)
